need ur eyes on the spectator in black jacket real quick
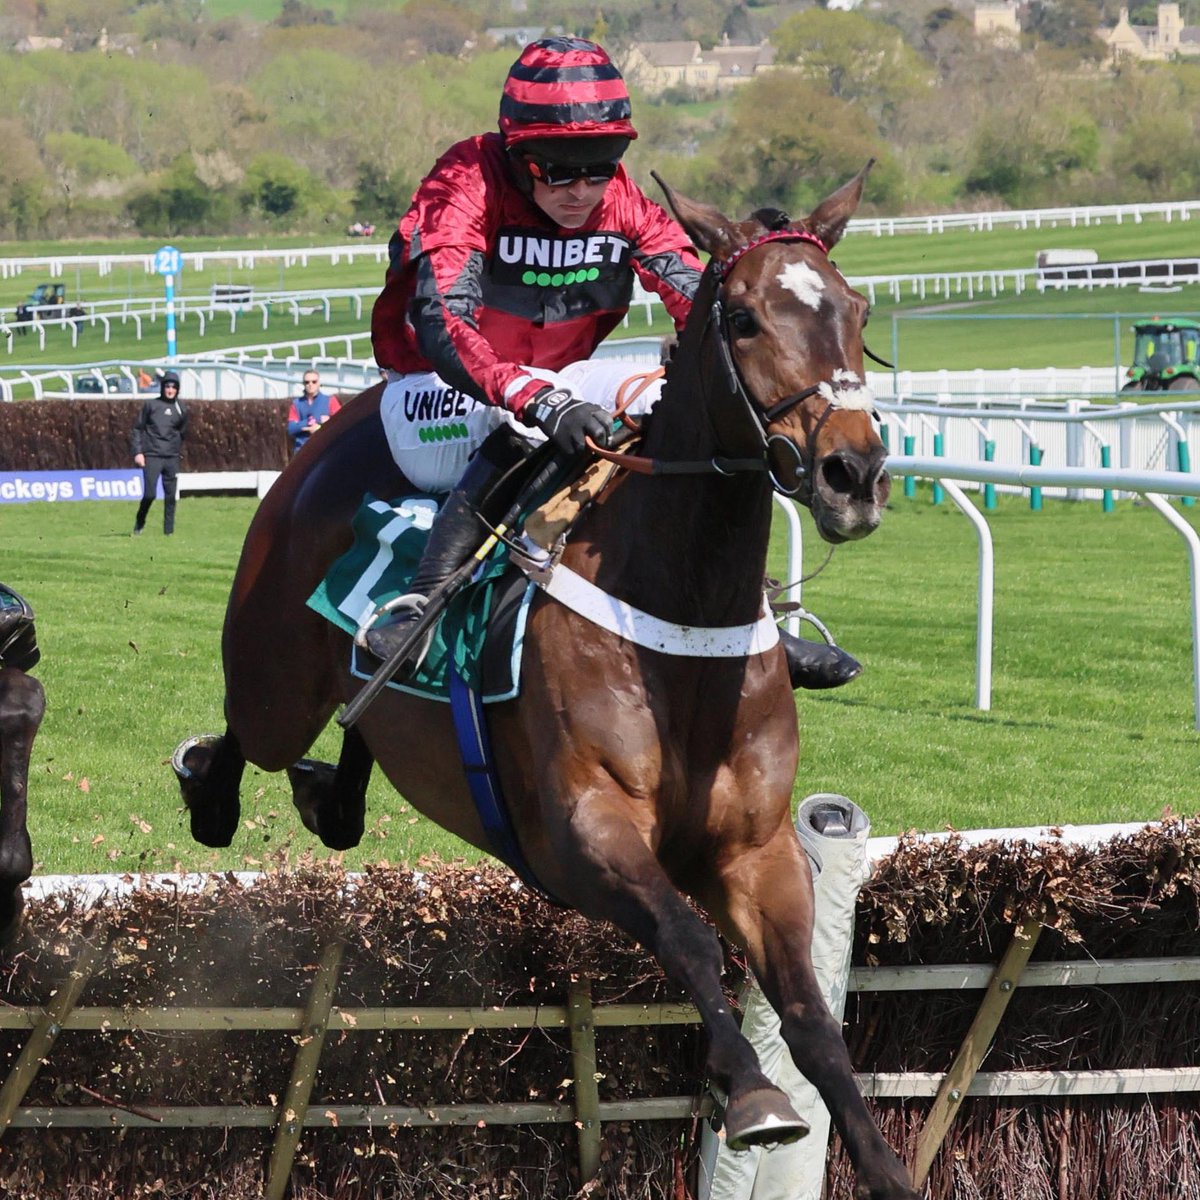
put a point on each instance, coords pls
(156, 441)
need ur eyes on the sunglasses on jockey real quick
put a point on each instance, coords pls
(554, 174)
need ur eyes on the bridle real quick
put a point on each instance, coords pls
(800, 462)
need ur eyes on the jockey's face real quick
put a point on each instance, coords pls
(569, 205)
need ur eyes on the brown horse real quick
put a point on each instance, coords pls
(634, 777)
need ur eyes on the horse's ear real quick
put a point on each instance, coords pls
(704, 224)
(829, 219)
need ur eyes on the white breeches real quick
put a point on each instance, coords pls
(433, 429)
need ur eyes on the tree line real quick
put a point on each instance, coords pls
(154, 118)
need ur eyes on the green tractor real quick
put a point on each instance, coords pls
(47, 300)
(1166, 356)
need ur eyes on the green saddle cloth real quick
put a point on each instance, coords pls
(388, 540)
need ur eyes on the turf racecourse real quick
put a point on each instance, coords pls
(1091, 719)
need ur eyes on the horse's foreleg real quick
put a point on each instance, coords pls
(610, 873)
(763, 900)
(333, 802)
(210, 779)
(22, 706)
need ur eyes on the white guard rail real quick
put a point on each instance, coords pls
(1029, 218)
(1154, 485)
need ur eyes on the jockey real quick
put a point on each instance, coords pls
(515, 260)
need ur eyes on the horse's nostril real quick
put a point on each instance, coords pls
(836, 476)
(883, 488)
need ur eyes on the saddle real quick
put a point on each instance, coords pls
(479, 634)
(18, 638)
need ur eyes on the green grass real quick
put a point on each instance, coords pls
(130, 632)
(1092, 716)
(1091, 719)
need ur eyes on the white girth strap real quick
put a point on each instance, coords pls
(691, 641)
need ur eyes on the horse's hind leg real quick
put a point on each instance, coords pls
(209, 770)
(22, 706)
(763, 900)
(332, 802)
(614, 876)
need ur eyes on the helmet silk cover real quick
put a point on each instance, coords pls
(563, 87)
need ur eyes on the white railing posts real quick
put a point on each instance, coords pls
(1154, 485)
(795, 576)
(986, 592)
(1193, 545)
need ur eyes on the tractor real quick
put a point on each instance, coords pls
(1166, 356)
(48, 300)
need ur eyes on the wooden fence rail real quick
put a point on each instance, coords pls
(321, 1015)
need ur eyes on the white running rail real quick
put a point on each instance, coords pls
(1153, 485)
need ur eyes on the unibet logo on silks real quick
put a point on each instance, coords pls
(543, 260)
(433, 404)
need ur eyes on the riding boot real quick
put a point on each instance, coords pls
(456, 533)
(814, 665)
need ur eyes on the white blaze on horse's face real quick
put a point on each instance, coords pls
(803, 282)
(847, 390)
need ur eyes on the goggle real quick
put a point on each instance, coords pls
(554, 174)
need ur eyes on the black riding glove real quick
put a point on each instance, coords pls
(566, 419)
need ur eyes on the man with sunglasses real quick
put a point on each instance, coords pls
(309, 411)
(515, 260)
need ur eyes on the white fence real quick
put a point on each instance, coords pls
(1035, 218)
(1031, 218)
(274, 372)
(145, 313)
(1067, 434)
(1155, 486)
(242, 260)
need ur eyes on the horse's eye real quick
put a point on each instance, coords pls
(742, 322)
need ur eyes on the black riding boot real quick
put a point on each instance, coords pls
(456, 533)
(814, 665)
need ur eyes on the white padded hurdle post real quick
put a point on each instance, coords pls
(834, 832)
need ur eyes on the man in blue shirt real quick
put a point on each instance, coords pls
(309, 411)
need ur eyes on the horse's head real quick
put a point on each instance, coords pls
(783, 336)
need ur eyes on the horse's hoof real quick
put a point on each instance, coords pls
(763, 1117)
(191, 756)
(315, 799)
(311, 782)
(214, 819)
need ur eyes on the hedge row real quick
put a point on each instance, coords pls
(455, 936)
(93, 435)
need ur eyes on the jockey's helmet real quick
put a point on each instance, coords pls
(566, 87)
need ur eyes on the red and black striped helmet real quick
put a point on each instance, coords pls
(564, 87)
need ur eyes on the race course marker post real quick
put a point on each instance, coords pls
(168, 262)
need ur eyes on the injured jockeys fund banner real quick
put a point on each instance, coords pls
(50, 487)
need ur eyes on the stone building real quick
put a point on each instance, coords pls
(1167, 39)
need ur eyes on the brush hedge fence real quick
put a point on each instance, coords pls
(93, 435)
(441, 1034)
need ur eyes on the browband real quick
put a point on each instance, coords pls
(722, 268)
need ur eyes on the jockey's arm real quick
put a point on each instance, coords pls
(665, 261)
(673, 275)
(444, 315)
